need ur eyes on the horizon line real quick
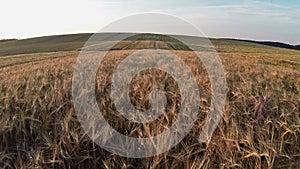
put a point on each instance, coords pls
(209, 37)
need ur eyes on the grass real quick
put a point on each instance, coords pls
(260, 127)
(74, 42)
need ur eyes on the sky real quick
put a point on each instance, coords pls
(272, 20)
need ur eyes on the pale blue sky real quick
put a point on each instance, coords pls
(277, 20)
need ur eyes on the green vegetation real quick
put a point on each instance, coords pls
(141, 41)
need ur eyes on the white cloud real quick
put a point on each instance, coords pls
(246, 18)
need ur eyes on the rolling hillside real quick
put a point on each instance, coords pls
(74, 42)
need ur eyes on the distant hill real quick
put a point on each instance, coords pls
(73, 42)
(44, 44)
(274, 44)
(7, 40)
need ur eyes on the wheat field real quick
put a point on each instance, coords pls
(260, 127)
